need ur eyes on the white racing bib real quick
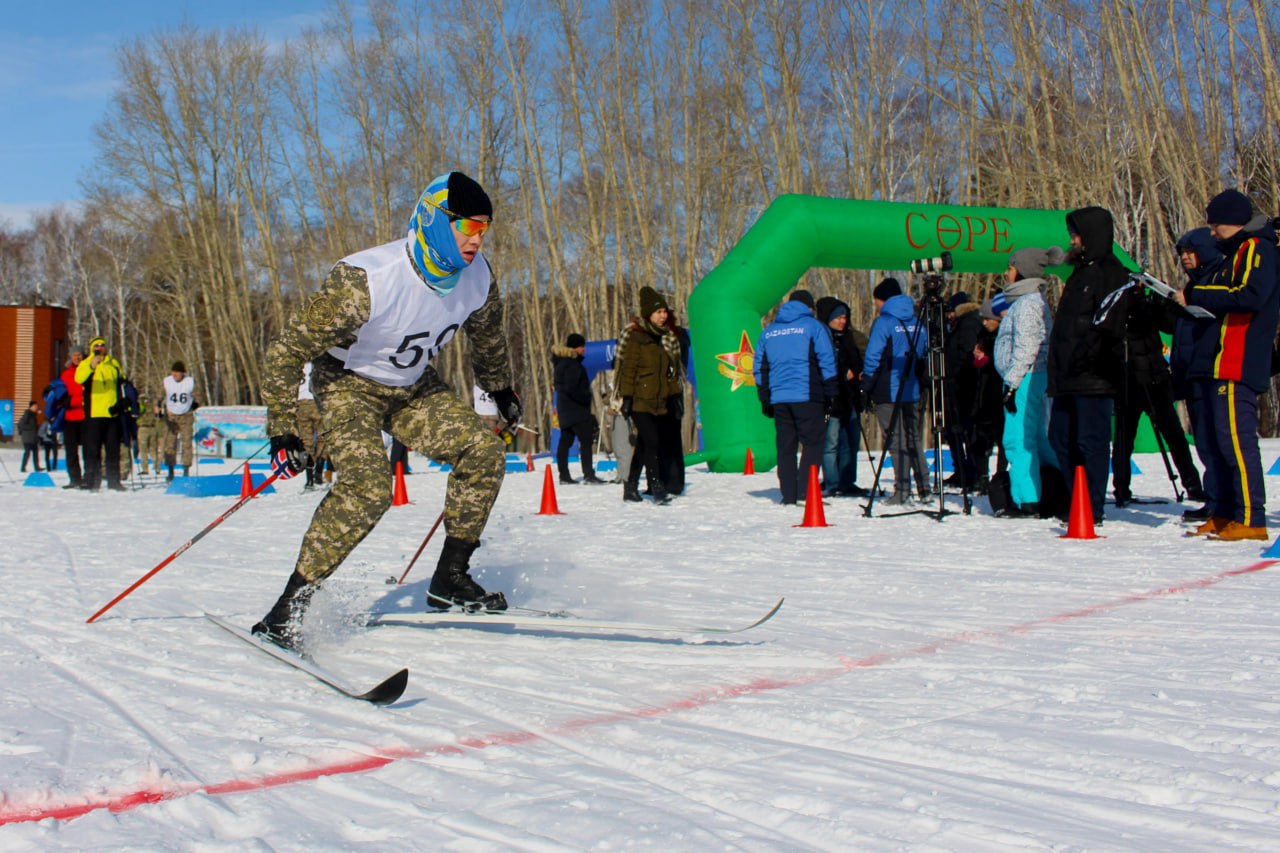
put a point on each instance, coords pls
(177, 395)
(409, 323)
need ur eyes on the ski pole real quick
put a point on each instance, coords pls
(182, 549)
(430, 532)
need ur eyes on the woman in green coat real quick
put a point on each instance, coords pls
(651, 388)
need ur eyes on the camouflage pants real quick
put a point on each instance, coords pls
(180, 428)
(440, 425)
(151, 432)
(311, 428)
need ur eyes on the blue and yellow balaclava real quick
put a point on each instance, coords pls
(431, 244)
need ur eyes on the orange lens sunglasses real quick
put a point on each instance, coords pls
(465, 226)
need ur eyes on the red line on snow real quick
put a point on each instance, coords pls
(702, 698)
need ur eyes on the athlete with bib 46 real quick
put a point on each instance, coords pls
(370, 333)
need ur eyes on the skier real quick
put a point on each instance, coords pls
(179, 418)
(370, 333)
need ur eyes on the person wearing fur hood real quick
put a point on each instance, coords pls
(1021, 358)
(573, 407)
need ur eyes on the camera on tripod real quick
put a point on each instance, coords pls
(932, 270)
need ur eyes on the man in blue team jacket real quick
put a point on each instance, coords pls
(896, 349)
(795, 373)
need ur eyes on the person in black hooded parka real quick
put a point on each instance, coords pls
(573, 408)
(1084, 359)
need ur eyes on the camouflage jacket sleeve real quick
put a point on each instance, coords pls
(489, 342)
(330, 317)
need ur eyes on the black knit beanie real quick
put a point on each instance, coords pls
(466, 198)
(887, 288)
(650, 301)
(804, 297)
(1229, 207)
(575, 340)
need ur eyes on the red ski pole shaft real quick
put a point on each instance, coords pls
(430, 533)
(183, 548)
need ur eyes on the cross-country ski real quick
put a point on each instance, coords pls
(383, 693)
(553, 621)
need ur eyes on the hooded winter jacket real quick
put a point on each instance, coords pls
(893, 335)
(573, 388)
(1083, 359)
(1244, 295)
(795, 361)
(101, 383)
(1195, 340)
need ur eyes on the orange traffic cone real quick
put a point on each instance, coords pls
(1080, 523)
(528, 461)
(749, 467)
(549, 506)
(246, 483)
(399, 494)
(813, 513)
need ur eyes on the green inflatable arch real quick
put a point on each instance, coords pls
(797, 232)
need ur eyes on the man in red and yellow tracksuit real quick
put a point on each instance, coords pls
(1244, 296)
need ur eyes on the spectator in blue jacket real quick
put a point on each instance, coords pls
(896, 350)
(795, 373)
(1244, 296)
(1196, 339)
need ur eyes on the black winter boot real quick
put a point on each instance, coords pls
(452, 584)
(283, 625)
(631, 492)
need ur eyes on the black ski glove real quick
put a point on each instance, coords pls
(626, 407)
(767, 408)
(675, 406)
(1010, 404)
(509, 408)
(288, 456)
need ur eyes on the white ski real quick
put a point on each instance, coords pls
(550, 621)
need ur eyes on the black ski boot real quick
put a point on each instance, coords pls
(283, 625)
(452, 584)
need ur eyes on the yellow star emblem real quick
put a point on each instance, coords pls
(737, 366)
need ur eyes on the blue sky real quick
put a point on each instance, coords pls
(57, 73)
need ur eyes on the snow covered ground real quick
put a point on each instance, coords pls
(970, 684)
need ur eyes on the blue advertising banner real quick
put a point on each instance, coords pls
(235, 431)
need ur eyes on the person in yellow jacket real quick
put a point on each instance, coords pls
(101, 375)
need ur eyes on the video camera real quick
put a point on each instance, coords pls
(942, 263)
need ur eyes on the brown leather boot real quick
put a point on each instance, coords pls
(1236, 532)
(1210, 527)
